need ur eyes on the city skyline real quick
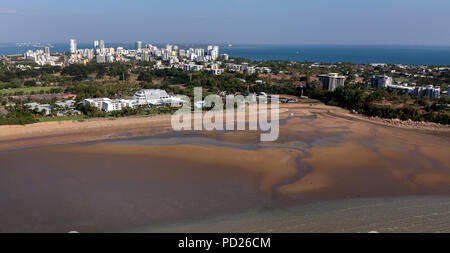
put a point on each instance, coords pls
(347, 22)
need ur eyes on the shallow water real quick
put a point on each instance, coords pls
(384, 215)
(320, 176)
(49, 191)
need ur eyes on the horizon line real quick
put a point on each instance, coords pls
(238, 44)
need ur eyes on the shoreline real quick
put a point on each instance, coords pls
(107, 128)
(420, 214)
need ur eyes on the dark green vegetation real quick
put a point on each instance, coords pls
(384, 104)
(17, 115)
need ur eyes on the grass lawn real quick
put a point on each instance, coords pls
(401, 79)
(51, 119)
(26, 90)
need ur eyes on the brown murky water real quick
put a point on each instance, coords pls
(190, 178)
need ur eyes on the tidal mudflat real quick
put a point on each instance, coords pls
(164, 181)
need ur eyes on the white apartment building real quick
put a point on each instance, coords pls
(214, 52)
(381, 81)
(331, 81)
(116, 105)
(428, 91)
(433, 92)
(192, 67)
(95, 102)
(73, 46)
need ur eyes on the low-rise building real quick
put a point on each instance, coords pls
(46, 108)
(69, 104)
(193, 67)
(116, 105)
(95, 102)
(151, 96)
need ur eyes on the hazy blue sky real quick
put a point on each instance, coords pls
(415, 22)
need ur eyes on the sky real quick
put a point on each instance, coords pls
(347, 22)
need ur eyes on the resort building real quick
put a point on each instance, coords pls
(116, 105)
(95, 102)
(151, 96)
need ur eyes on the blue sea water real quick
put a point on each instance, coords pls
(417, 55)
(354, 54)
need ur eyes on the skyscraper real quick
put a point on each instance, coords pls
(168, 48)
(138, 45)
(96, 44)
(73, 46)
(102, 44)
(215, 52)
(47, 51)
(200, 52)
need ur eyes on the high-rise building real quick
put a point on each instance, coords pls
(199, 52)
(138, 45)
(427, 91)
(101, 58)
(47, 51)
(215, 52)
(96, 44)
(332, 81)
(73, 46)
(169, 48)
(432, 92)
(381, 81)
(102, 44)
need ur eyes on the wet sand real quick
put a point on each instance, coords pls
(414, 214)
(98, 179)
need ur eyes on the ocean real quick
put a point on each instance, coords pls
(417, 55)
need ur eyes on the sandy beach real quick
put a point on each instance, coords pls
(118, 175)
(98, 129)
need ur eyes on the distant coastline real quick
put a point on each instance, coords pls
(358, 54)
